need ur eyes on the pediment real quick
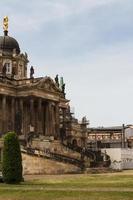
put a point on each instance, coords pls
(48, 84)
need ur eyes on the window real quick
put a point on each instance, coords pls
(20, 70)
(8, 65)
(8, 68)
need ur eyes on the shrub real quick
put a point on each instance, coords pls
(12, 160)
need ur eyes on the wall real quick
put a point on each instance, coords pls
(54, 146)
(120, 158)
(115, 156)
(37, 165)
(127, 158)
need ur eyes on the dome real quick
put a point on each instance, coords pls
(8, 44)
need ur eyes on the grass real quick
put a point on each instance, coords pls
(117, 186)
(61, 195)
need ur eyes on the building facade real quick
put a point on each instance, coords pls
(27, 105)
(38, 111)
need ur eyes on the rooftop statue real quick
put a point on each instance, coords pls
(5, 23)
(63, 88)
(57, 80)
(31, 72)
(84, 120)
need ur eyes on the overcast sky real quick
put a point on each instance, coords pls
(89, 43)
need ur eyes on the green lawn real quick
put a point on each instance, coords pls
(118, 186)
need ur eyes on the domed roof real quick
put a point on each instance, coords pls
(8, 44)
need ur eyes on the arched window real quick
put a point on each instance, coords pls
(8, 65)
(8, 68)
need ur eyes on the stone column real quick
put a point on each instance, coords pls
(64, 118)
(53, 120)
(4, 114)
(48, 119)
(26, 119)
(22, 115)
(13, 113)
(16, 116)
(57, 121)
(31, 115)
(63, 130)
(39, 120)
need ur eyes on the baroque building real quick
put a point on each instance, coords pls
(38, 111)
(27, 105)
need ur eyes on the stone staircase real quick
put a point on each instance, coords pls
(97, 158)
(53, 156)
(78, 156)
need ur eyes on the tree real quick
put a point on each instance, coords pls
(12, 160)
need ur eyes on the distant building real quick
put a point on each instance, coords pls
(110, 137)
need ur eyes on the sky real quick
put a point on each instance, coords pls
(89, 43)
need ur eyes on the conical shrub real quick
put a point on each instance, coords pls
(12, 160)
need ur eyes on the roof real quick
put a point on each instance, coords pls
(8, 44)
(113, 128)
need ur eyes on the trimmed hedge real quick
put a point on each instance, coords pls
(12, 160)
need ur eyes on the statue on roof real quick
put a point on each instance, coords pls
(5, 23)
(57, 80)
(63, 88)
(61, 82)
(31, 72)
(84, 120)
(26, 55)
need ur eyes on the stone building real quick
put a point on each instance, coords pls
(38, 111)
(27, 105)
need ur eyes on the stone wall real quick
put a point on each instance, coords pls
(127, 158)
(115, 156)
(120, 158)
(54, 146)
(37, 165)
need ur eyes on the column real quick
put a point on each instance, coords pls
(64, 123)
(39, 120)
(48, 119)
(4, 114)
(53, 120)
(64, 117)
(31, 115)
(26, 119)
(57, 121)
(13, 113)
(16, 116)
(22, 115)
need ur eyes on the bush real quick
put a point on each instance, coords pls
(12, 160)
